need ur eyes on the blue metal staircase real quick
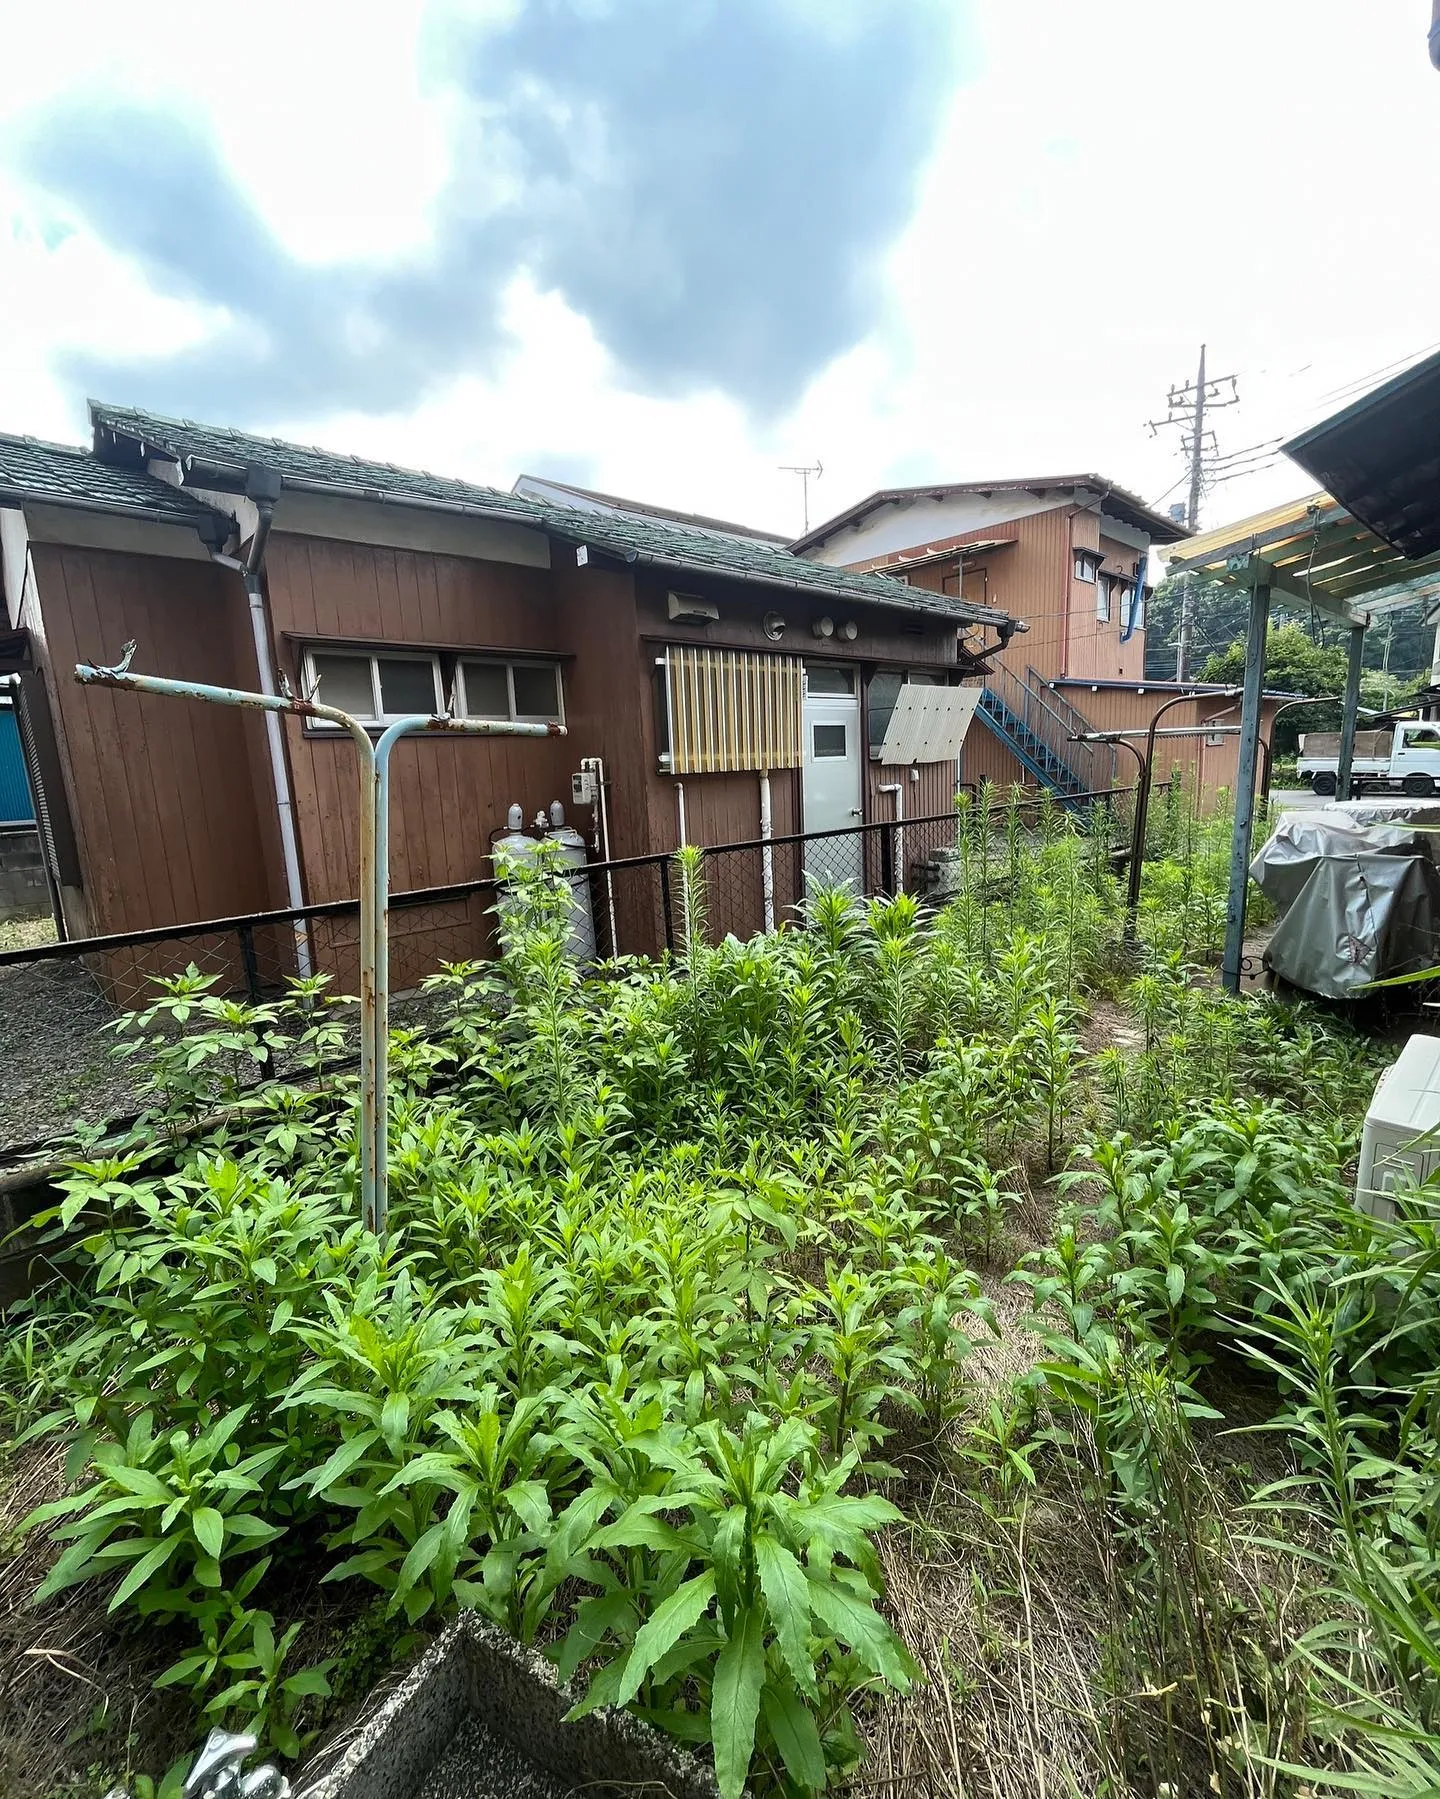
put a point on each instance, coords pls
(1037, 726)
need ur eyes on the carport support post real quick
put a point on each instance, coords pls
(1350, 711)
(1245, 776)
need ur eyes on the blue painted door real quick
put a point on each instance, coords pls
(15, 806)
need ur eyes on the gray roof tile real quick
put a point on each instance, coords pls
(217, 455)
(65, 475)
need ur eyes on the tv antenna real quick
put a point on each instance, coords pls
(804, 470)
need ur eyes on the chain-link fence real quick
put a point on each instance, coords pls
(56, 1061)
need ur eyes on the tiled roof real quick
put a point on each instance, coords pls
(1114, 500)
(687, 548)
(67, 476)
(542, 488)
(221, 457)
(221, 452)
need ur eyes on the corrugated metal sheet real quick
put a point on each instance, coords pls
(733, 710)
(15, 805)
(929, 723)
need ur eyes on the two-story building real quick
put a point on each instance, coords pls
(1066, 556)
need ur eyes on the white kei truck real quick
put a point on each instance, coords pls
(1403, 758)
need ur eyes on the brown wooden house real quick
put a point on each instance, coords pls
(701, 663)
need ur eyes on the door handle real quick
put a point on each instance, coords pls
(855, 812)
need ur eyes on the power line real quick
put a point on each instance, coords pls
(1362, 381)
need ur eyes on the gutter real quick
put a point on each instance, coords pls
(155, 515)
(263, 487)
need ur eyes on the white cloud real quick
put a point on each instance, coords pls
(1116, 183)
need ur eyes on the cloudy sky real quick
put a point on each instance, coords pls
(665, 246)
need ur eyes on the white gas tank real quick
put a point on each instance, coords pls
(1401, 1141)
(576, 858)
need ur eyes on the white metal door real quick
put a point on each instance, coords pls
(833, 773)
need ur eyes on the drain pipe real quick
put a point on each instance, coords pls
(680, 812)
(767, 855)
(263, 487)
(898, 789)
(596, 765)
(274, 731)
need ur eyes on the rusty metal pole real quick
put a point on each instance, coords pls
(417, 724)
(120, 676)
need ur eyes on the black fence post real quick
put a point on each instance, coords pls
(665, 904)
(887, 860)
(246, 935)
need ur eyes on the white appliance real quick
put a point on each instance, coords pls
(1401, 1140)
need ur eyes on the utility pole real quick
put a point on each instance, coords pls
(1197, 438)
(1188, 405)
(804, 471)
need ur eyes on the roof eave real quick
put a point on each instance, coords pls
(960, 613)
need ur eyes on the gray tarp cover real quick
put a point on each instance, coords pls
(1302, 840)
(1359, 918)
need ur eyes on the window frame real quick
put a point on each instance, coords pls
(843, 672)
(1086, 565)
(817, 725)
(378, 718)
(510, 664)
(1104, 592)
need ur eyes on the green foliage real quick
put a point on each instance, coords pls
(678, 1260)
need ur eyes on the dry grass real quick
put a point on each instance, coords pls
(75, 1690)
(1054, 1668)
(26, 933)
(1006, 1627)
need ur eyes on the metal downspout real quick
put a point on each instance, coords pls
(767, 855)
(897, 789)
(274, 732)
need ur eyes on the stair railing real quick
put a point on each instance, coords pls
(1102, 764)
(1078, 762)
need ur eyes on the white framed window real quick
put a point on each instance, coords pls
(374, 686)
(1137, 607)
(1102, 599)
(527, 692)
(1086, 564)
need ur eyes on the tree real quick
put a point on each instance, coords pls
(1220, 615)
(1293, 665)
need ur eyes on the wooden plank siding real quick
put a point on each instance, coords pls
(162, 791)
(449, 796)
